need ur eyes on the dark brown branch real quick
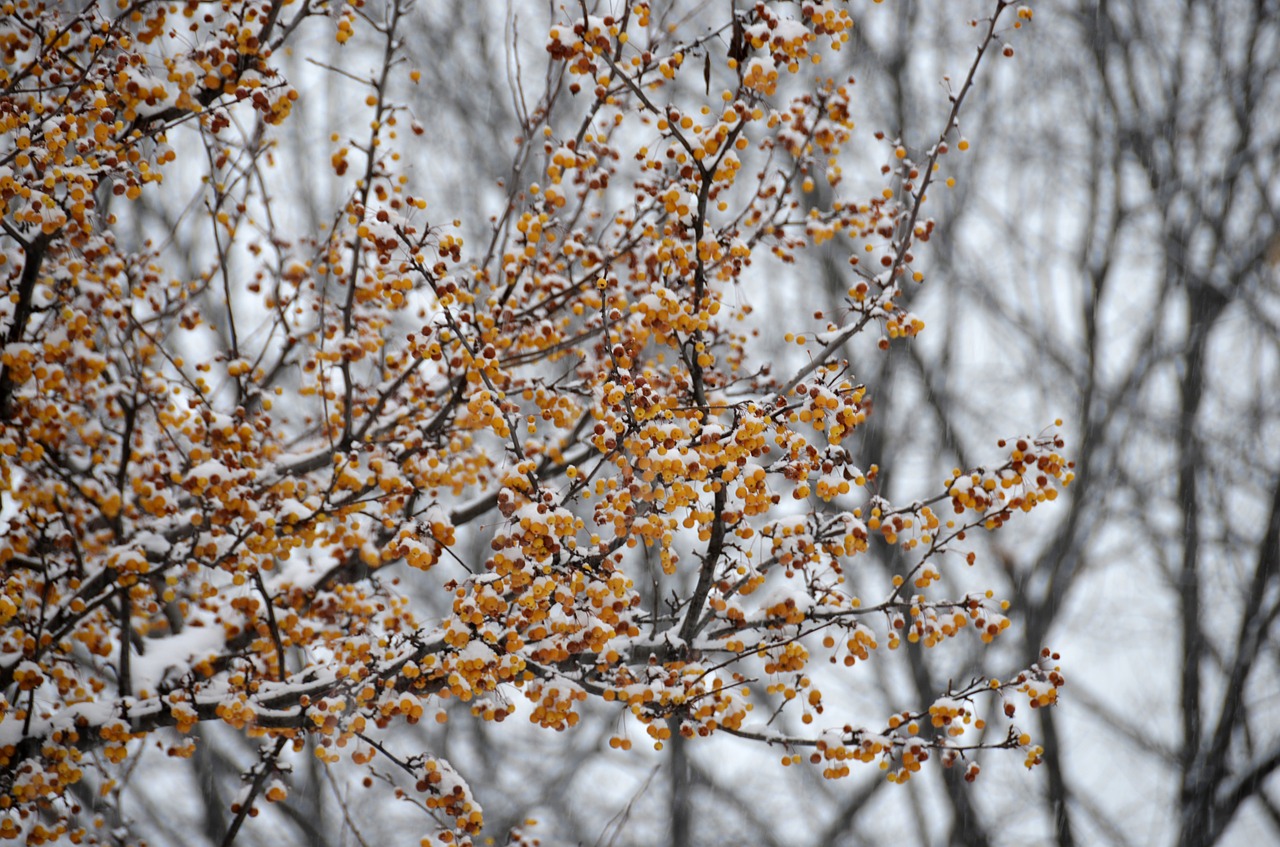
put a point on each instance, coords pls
(271, 623)
(33, 257)
(264, 769)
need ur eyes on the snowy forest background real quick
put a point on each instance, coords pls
(1110, 256)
